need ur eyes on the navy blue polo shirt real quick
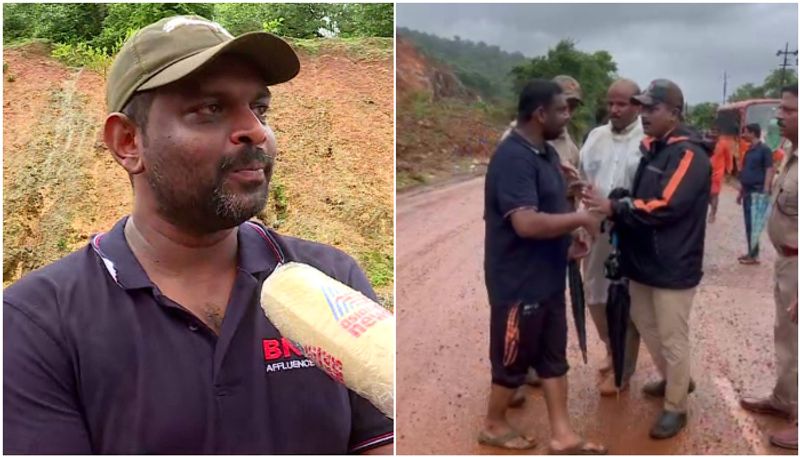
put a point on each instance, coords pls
(754, 169)
(520, 269)
(97, 360)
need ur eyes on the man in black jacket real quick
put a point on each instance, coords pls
(662, 226)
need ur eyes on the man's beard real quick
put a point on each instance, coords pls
(206, 206)
(551, 134)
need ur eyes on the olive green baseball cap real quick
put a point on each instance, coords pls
(570, 86)
(175, 47)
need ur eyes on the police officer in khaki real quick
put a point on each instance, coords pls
(782, 229)
(565, 147)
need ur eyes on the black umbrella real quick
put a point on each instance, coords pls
(618, 308)
(578, 304)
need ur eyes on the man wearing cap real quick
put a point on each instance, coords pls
(151, 339)
(662, 224)
(609, 159)
(782, 230)
(564, 145)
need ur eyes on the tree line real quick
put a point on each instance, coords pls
(498, 76)
(105, 26)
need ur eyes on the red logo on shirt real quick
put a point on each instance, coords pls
(280, 354)
(280, 349)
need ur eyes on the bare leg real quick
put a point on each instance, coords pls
(555, 395)
(496, 424)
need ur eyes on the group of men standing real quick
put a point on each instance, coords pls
(646, 176)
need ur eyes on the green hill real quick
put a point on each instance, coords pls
(481, 67)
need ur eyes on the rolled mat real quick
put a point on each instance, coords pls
(343, 332)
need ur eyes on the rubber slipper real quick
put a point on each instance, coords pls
(775, 441)
(503, 441)
(581, 448)
(786, 438)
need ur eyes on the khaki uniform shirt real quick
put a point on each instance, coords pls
(782, 224)
(567, 149)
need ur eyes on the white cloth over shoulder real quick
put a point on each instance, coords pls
(609, 160)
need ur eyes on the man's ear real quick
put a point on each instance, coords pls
(539, 115)
(125, 140)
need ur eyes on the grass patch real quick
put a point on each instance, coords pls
(278, 206)
(23, 42)
(407, 179)
(440, 139)
(370, 48)
(379, 267)
(361, 48)
(83, 55)
(309, 45)
(421, 105)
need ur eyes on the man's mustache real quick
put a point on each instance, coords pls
(246, 157)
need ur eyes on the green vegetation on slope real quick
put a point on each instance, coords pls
(481, 67)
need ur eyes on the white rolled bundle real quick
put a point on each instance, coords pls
(342, 331)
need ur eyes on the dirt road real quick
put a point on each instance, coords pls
(443, 367)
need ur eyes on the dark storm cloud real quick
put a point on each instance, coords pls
(691, 44)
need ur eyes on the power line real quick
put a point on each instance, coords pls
(785, 53)
(724, 87)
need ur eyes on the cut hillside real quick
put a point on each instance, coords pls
(444, 129)
(332, 184)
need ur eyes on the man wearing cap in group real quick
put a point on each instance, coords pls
(662, 224)
(782, 230)
(564, 145)
(151, 339)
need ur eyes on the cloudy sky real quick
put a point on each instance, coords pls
(692, 44)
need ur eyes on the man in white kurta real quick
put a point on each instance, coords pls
(608, 160)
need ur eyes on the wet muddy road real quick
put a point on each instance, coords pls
(443, 321)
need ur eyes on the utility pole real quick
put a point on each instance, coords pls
(785, 53)
(724, 87)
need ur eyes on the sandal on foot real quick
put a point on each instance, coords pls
(582, 448)
(503, 441)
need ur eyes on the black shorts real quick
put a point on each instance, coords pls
(528, 335)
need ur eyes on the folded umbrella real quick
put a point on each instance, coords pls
(618, 308)
(759, 211)
(578, 304)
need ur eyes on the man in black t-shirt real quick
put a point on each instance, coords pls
(528, 223)
(755, 177)
(151, 339)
